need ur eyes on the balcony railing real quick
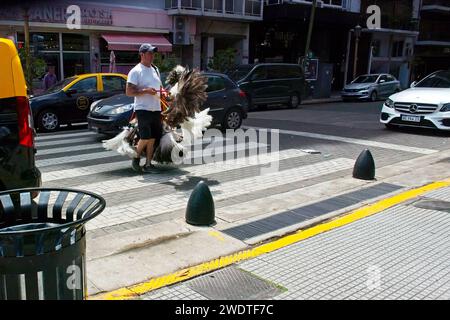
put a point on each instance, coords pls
(227, 8)
(338, 4)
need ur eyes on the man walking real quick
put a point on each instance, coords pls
(144, 84)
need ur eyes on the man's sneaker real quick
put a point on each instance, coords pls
(149, 169)
(135, 164)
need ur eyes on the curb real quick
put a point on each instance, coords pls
(134, 291)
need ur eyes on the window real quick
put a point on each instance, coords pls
(390, 78)
(86, 85)
(259, 74)
(111, 83)
(397, 49)
(75, 42)
(215, 84)
(383, 78)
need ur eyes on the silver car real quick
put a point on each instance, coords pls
(371, 87)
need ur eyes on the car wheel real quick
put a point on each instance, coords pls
(48, 121)
(232, 119)
(373, 96)
(294, 101)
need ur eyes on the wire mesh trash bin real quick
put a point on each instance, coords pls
(43, 243)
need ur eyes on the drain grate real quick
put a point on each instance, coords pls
(234, 284)
(295, 216)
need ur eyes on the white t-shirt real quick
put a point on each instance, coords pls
(145, 77)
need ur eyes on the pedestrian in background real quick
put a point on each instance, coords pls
(50, 78)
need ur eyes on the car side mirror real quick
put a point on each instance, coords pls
(382, 81)
(413, 84)
(71, 91)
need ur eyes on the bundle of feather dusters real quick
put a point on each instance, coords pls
(186, 96)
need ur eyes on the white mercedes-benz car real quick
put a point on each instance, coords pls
(426, 104)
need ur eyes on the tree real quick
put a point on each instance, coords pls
(164, 64)
(36, 67)
(223, 60)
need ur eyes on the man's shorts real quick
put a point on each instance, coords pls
(149, 124)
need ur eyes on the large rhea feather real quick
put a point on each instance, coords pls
(189, 97)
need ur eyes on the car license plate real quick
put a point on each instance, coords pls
(411, 118)
(94, 128)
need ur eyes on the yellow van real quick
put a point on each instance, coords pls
(17, 160)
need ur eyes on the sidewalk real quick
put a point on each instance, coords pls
(398, 253)
(401, 247)
(335, 97)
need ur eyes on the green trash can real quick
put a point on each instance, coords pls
(43, 243)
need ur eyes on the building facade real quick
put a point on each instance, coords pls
(433, 45)
(281, 36)
(202, 27)
(390, 49)
(105, 26)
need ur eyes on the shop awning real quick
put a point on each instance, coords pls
(133, 42)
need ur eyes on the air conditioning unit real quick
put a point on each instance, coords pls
(180, 34)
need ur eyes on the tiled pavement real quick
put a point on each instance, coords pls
(400, 253)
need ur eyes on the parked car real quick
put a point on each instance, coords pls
(227, 103)
(17, 160)
(68, 101)
(426, 104)
(271, 83)
(371, 87)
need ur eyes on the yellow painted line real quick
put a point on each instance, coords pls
(217, 235)
(188, 273)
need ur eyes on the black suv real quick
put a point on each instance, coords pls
(270, 83)
(17, 161)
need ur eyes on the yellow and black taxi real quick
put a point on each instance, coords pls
(69, 100)
(17, 160)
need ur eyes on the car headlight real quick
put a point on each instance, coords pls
(389, 103)
(364, 89)
(121, 109)
(93, 104)
(445, 107)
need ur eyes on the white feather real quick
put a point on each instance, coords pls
(194, 127)
(120, 144)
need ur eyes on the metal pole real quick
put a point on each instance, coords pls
(310, 27)
(370, 60)
(347, 58)
(355, 62)
(26, 31)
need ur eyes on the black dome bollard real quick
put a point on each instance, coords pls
(364, 166)
(200, 207)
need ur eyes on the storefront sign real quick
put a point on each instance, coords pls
(58, 14)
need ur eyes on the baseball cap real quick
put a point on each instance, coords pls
(147, 47)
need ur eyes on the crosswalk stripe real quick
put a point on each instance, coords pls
(67, 149)
(164, 203)
(99, 145)
(64, 136)
(122, 184)
(352, 140)
(64, 141)
(107, 154)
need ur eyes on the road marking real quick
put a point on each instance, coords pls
(64, 141)
(64, 136)
(200, 269)
(138, 181)
(67, 149)
(107, 154)
(352, 140)
(158, 205)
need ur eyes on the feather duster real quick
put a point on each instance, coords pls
(189, 96)
(121, 143)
